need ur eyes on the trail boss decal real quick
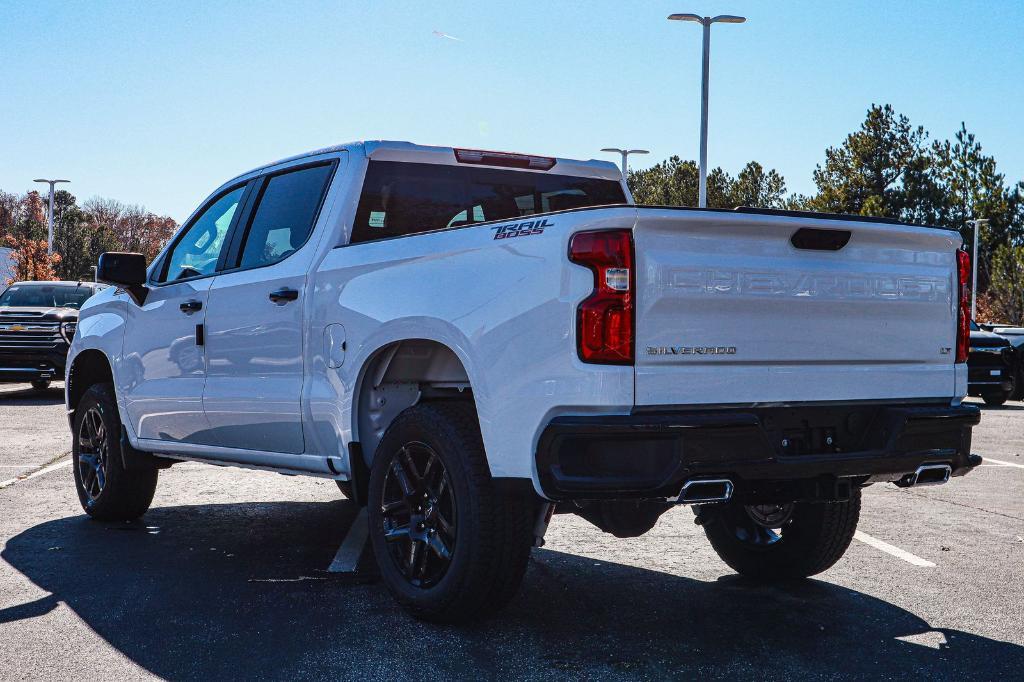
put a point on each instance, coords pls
(526, 229)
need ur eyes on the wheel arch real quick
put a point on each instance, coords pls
(400, 374)
(88, 368)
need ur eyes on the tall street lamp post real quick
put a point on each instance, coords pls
(49, 213)
(702, 196)
(625, 156)
(977, 224)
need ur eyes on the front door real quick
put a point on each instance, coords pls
(164, 360)
(254, 321)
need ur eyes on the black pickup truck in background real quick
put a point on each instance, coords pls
(37, 323)
(991, 366)
(1015, 335)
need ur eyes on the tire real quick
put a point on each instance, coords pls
(106, 490)
(345, 487)
(41, 384)
(486, 533)
(812, 538)
(994, 399)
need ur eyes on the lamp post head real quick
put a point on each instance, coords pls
(616, 150)
(50, 182)
(686, 17)
(720, 19)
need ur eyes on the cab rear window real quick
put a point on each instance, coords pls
(400, 198)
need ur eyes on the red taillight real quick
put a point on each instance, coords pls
(604, 320)
(506, 159)
(963, 322)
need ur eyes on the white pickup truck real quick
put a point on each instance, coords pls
(467, 341)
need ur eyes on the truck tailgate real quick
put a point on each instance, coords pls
(729, 311)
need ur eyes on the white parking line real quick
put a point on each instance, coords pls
(347, 558)
(989, 460)
(893, 550)
(58, 465)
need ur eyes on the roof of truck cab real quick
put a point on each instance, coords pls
(396, 150)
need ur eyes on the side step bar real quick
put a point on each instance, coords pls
(704, 491)
(926, 474)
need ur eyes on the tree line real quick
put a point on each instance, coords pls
(80, 233)
(890, 168)
(887, 167)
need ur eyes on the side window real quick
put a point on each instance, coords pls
(198, 249)
(285, 213)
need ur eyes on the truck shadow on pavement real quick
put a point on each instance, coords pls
(30, 396)
(240, 591)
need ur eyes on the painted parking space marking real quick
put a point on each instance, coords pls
(999, 462)
(893, 550)
(347, 558)
(44, 470)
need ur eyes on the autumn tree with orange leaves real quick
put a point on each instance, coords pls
(31, 260)
(80, 233)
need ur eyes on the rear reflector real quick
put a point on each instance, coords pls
(963, 322)
(604, 322)
(505, 159)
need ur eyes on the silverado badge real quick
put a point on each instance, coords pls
(691, 350)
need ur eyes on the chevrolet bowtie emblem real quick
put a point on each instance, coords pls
(16, 328)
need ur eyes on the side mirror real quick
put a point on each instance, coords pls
(126, 271)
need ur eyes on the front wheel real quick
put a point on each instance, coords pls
(107, 491)
(41, 384)
(450, 546)
(781, 542)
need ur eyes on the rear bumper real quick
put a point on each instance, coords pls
(651, 455)
(18, 367)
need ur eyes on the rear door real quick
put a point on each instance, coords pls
(254, 321)
(738, 308)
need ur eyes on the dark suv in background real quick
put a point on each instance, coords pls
(37, 323)
(991, 366)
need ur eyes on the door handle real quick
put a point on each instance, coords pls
(189, 307)
(282, 296)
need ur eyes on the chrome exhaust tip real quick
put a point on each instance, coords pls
(705, 491)
(927, 474)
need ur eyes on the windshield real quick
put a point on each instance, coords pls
(46, 295)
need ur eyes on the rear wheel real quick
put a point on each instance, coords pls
(994, 399)
(41, 384)
(107, 491)
(780, 542)
(450, 546)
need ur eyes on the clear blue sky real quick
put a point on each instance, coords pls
(157, 103)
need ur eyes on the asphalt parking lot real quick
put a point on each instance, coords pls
(225, 578)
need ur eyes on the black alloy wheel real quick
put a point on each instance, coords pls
(763, 524)
(419, 514)
(93, 454)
